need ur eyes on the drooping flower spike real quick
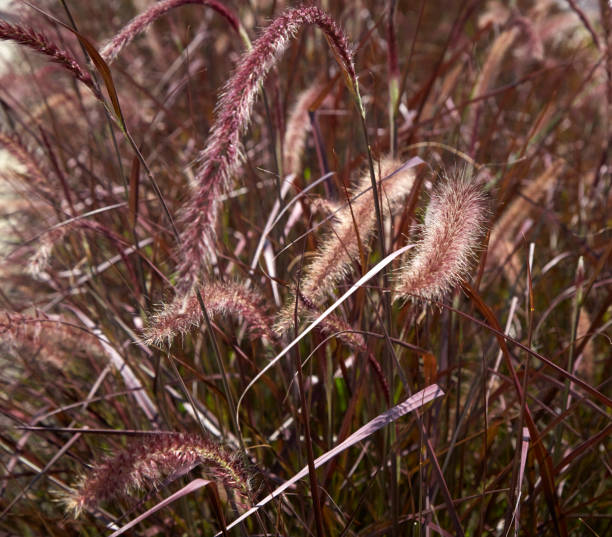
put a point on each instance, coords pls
(222, 154)
(453, 223)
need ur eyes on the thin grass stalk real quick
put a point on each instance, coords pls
(221, 366)
(392, 111)
(381, 240)
(578, 299)
(109, 119)
(411, 404)
(394, 76)
(314, 485)
(516, 478)
(541, 453)
(312, 474)
(585, 21)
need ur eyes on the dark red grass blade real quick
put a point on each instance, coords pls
(133, 194)
(542, 455)
(500, 334)
(581, 448)
(448, 499)
(104, 71)
(409, 405)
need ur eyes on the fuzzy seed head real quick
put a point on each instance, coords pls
(38, 42)
(298, 126)
(453, 223)
(356, 224)
(221, 299)
(143, 465)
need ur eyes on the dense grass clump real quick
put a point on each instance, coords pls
(281, 269)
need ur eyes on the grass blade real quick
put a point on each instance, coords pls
(411, 404)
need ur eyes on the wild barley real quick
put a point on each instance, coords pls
(222, 299)
(453, 223)
(145, 463)
(141, 22)
(355, 225)
(40, 43)
(222, 155)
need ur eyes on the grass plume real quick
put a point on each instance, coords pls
(51, 340)
(453, 223)
(222, 299)
(503, 237)
(141, 22)
(355, 224)
(298, 127)
(144, 464)
(35, 174)
(221, 157)
(37, 41)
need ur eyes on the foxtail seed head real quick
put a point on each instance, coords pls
(453, 223)
(143, 465)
